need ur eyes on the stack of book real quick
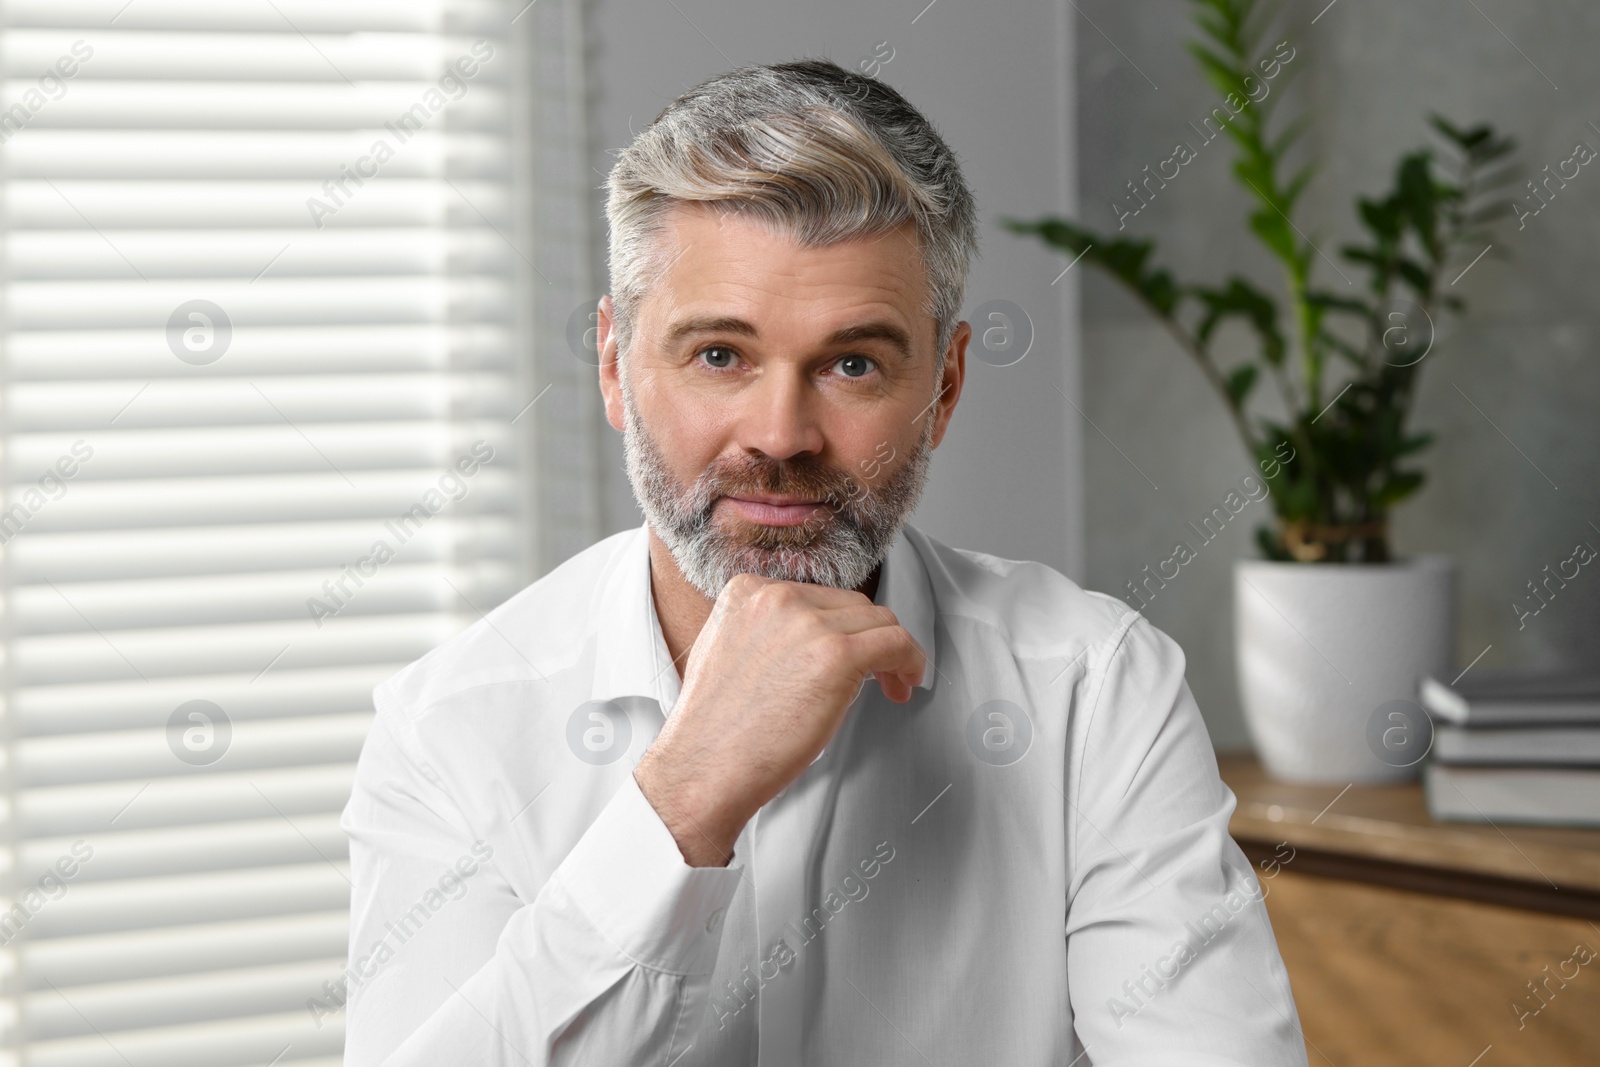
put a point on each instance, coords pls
(1515, 746)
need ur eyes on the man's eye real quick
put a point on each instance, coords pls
(718, 356)
(855, 366)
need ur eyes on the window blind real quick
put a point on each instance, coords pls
(268, 409)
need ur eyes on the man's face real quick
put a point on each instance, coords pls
(778, 402)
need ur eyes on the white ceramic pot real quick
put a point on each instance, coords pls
(1321, 647)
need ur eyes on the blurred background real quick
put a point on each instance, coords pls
(298, 381)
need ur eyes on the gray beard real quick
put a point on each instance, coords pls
(837, 547)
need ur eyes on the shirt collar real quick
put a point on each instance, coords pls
(631, 657)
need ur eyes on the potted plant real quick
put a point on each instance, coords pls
(1330, 627)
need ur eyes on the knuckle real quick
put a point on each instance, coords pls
(774, 594)
(758, 595)
(742, 587)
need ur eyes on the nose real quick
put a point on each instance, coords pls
(781, 415)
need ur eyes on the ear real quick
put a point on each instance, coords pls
(610, 371)
(955, 374)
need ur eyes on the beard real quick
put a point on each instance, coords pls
(838, 546)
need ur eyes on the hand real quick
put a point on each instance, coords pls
(766, 687)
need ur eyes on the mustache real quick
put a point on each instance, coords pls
(807, 477)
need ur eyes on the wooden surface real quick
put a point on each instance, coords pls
(1412, 942)
(1390, 978)
(1391, 823)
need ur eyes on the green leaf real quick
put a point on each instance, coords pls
(1400, 485)
(1415, 443)
(1240, 299)
(1415, 276)
(1222, 75)
(1466, 139)
(1357, 254)
(1274, 232)
(1351, 354)
(1255, 171)
(1334, 302)
(1479, 144)
(1382, 217)
(1296, 186)
(1285, 140)
(1123, 258)
(1240, 382)
(1267, 541)
(1419, 196)
(1064, 235)
(1214, 26)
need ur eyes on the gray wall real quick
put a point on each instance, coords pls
(1006, 480)
(1526, 353)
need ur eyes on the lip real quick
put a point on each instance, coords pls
(775, 510)
(780, 501)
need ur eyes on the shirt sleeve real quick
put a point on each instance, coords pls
(1170, 953)
(610, 962)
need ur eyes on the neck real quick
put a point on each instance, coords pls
(683, 609)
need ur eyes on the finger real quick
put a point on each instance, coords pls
(894, 686)
(830, 597)
(854, 618)
(742, 586)
(888, 650)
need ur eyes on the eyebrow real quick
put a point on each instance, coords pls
(873, 330)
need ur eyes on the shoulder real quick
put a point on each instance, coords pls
(1034, 608)
(535, 634)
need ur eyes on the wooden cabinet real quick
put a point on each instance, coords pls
(1411, 942)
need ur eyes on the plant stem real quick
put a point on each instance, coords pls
(1214, 376)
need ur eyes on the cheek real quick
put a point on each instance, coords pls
(683, 425)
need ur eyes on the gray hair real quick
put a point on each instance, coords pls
(819, 153)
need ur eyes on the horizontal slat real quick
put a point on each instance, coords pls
(256, 843)
(175, 950)
(204, 897)
(275, 55)
(74, 708)
(244, 548)
(133, 655)
(246, 450)
(254, 445)
(249, 255)
(111, 205)
(141, 355)
(96, 99)
(124, 755)
(174, 405)
(334, 105)
(281, 1040)
(310, 496)
(281, 16)
(309, 156)
(274, 301)
(394, 588)
(75, 811)
(74, 1012)
(170, 851)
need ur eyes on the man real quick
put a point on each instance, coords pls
(776, 778)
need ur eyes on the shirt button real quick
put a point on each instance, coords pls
(714, 921)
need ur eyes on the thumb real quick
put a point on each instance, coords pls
(894, 686)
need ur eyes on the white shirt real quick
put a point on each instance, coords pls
(955, 880)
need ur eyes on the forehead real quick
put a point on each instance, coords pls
(721, 260)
